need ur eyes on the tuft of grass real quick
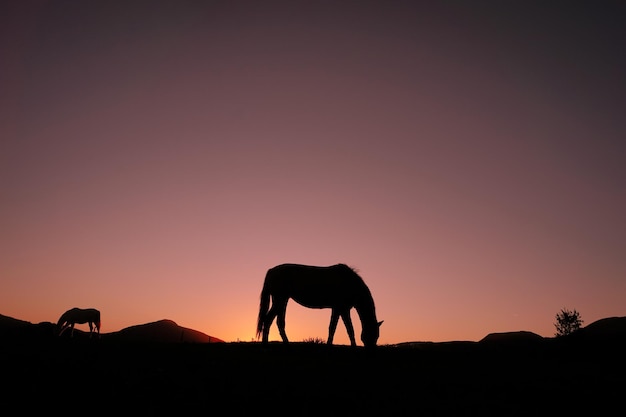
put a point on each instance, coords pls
(315, 340)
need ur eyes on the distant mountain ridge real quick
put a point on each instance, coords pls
(603, 329)
(610, 328)
(159, 331)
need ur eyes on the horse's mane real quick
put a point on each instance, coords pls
(354, 271)
(350, 268)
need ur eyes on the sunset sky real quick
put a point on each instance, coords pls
(157, 157)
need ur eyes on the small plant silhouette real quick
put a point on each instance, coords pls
(567, 322)
(314, 340)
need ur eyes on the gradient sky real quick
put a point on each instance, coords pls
(158, 157)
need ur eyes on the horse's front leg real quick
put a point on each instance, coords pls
(334, 318)
(345, 316)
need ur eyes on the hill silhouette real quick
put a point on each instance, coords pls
(7, 323)
(607, 328)
(166, 330)
(511, 373)
(162, 331)
(611, 329)
(159, 331)
(512, 337)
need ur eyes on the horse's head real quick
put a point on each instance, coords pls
(370, 334)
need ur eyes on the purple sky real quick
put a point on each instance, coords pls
(158, 157)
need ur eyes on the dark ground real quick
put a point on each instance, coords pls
(549, 377)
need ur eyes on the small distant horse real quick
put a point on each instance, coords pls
(337, 287)
(79, 316)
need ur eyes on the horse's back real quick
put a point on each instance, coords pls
(93, 313)
(81, 315)
(334, 275)
(315, 286)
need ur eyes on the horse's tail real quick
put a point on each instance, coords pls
(98, 322)
(264, 306)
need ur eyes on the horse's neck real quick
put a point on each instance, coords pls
(366, 312)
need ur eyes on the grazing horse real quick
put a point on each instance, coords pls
(79, 316)
(337, 287)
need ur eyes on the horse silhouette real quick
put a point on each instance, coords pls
(79, 316)
(337, 287)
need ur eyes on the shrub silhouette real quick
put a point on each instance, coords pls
(567, 322)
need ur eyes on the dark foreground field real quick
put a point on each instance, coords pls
(81, 376)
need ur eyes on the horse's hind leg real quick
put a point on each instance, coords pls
(280, 319)
(334, 318)
(268, 322)
(269, 319)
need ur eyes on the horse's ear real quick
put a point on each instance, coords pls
(380, 322)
